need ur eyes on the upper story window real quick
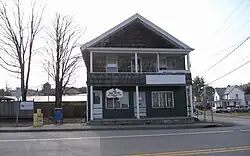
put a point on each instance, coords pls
(139, 64)
(171, 63)
(225, 97)
(163, 63)
(237, 96)
(111, 64)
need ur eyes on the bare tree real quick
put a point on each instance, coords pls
(62, 62)
(18, 30)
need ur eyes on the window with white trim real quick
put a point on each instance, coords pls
(118, 103)
(111, 64)
(162, 99)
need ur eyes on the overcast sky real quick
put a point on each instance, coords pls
(194, 22)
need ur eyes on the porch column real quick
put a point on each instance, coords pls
(137, 89)
(158, 62)
(87, 106)
(91, 62)
(190, 87)
(187, 100)
(137, 102)
(91, 103)
(136, 63)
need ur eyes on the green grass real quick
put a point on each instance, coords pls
(242, 114)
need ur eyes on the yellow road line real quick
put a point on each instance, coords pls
(198, 151)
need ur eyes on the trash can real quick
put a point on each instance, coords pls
(58, 115)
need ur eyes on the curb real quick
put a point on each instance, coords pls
(160, 127)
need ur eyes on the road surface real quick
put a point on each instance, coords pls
(226, 117)
(227, 141)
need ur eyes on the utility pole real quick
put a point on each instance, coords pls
(205, 102)
(190, 88)
(48, 81)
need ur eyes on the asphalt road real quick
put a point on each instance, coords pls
(226, 117)
(227, 141)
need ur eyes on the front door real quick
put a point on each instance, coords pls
(97, 104)
(142, 104)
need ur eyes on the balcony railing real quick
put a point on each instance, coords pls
(145, 63)
(132, 79)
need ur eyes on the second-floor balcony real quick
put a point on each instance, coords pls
(113, 63)
(152, 69)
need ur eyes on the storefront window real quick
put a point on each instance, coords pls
(118, 103)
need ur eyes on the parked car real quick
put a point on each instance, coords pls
(241, 109)
(218, 110)
(228, 109)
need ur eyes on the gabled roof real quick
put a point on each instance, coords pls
(231, 88)
(220, 91)
(149, 24)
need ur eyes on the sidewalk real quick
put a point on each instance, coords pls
(84, 127)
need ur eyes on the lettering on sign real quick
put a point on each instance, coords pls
(114, 93)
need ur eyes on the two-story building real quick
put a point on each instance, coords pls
(230, 96)
(136, 70)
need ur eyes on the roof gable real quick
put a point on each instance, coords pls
(220, 91)
(168, 37)
(136, 35)
(229, 89)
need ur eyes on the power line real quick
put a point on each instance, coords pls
(242, 11)
(229, 72)
(227, 48)
(238, 30)
(230, 15)
(226, 55)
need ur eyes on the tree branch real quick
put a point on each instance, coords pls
(17, 40)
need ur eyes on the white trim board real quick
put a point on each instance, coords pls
(138, 50)
(147, 23)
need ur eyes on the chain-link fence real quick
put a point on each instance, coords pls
(11, 114)
(205, 115)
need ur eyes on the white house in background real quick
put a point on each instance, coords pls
(230, 96)
(218, 94)
(234, 95)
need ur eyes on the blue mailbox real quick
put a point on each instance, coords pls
(58, 115)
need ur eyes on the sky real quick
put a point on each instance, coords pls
(208, 26)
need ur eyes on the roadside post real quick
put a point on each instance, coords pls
(17, 112)
(18, 96)
(205, 103)
(212, 113)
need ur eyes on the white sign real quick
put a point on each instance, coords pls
(27, 105)
(18, 93)
(114, 93)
